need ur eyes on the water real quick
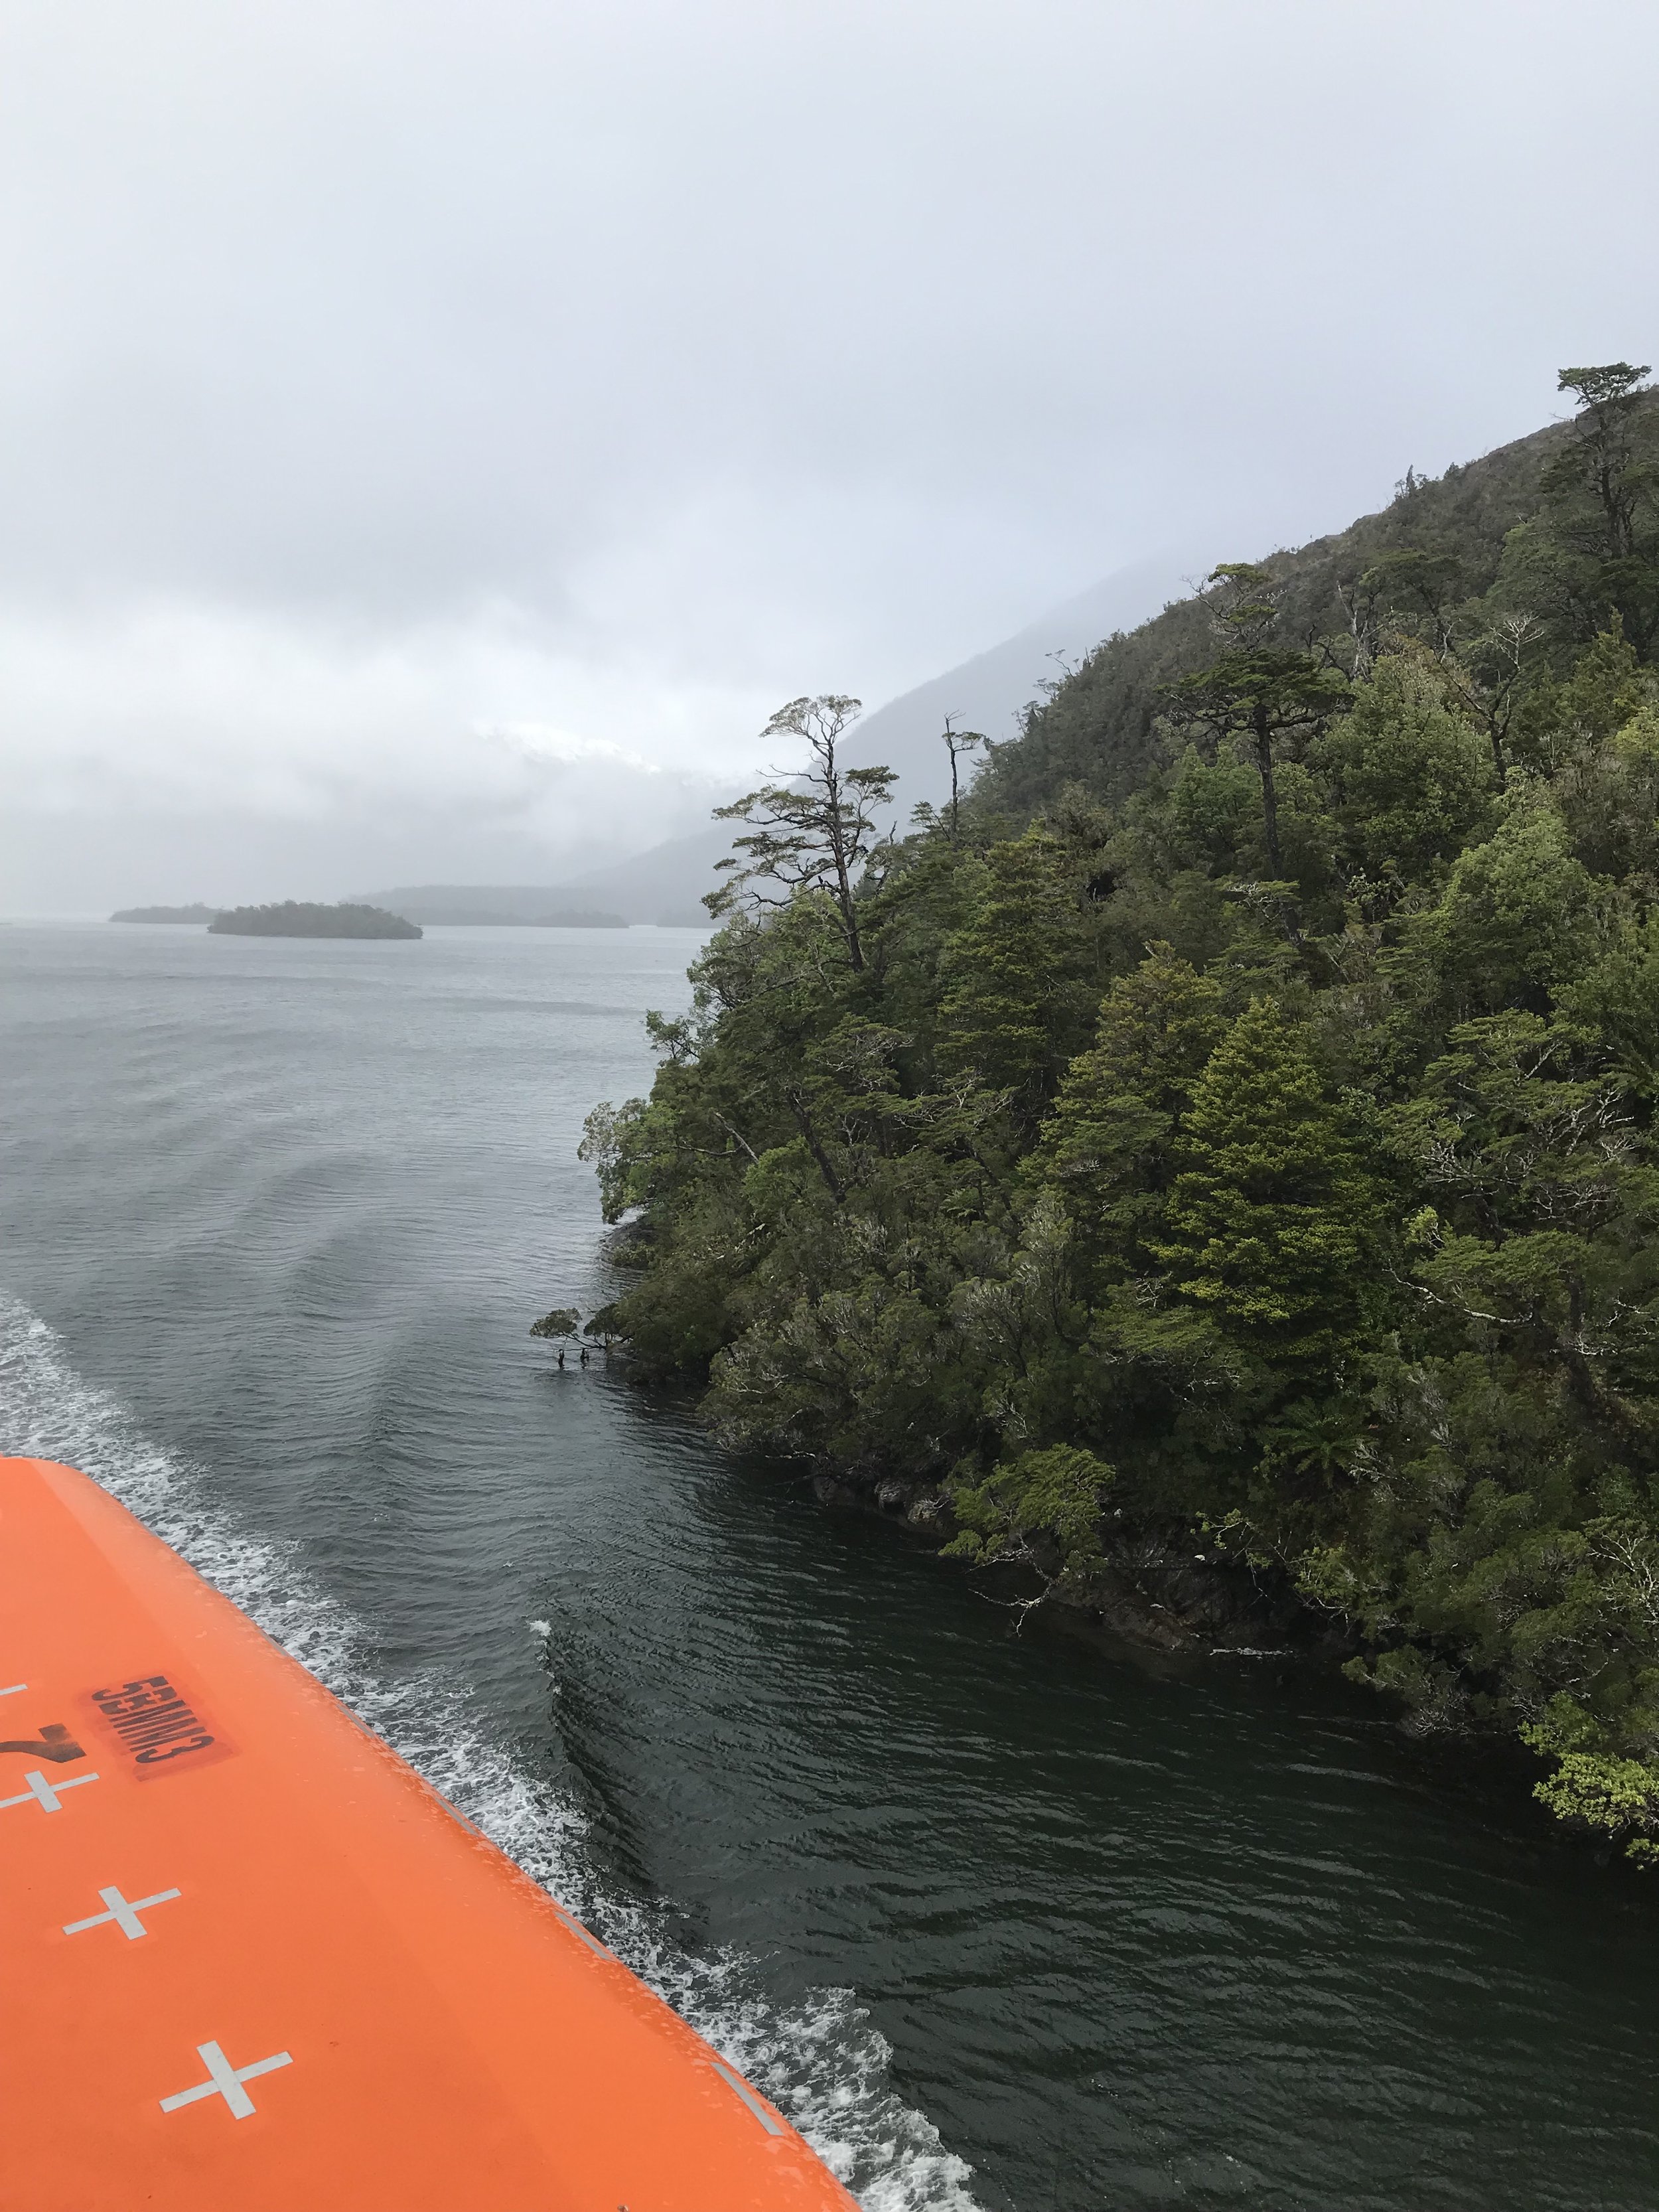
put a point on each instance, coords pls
(1001, 1922)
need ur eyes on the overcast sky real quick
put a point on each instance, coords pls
(457, 425)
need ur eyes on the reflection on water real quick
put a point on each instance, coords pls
(276, 1216)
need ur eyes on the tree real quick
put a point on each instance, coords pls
(815, 835)
(1103, 1150)
(1516, 921)
(1604, 459)
(1041, 1511)
(1595, 549)
(1271, 1222)
(925, 816)
(958, 744)
(1411, 778)
(1491, 681)
(607, 1136)
(1540, 1230)
(1362, 600)
(1014, 1003)
(1259, 692)
(1604, 691)
(561, 1323)
(1419, 586)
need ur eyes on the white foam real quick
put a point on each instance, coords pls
(821, 2060)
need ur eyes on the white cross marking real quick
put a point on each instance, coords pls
(125, 1916)
(225, 2080)
(12, 1688)
(44, 1793)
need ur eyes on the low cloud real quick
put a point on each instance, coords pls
(381, 380)
(170, 750)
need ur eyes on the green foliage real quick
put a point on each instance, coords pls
(1103, 1153)
(1043, 1509)
(1015, 999)
(1517, 917)
(1233, 1122)
(1619, 1795)
(1271, 1222)
(607, 1147)
(562, 1321)
(1258, 693)
(1411, 779)
(1601, 525)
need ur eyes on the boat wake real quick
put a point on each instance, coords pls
(821, 2060)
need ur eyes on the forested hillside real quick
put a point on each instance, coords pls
(1230, 1131)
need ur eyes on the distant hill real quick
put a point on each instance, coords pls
(664, 885)
(667, 884)
(197, 914)
(300, 918)
(491, 906)
(991, 692)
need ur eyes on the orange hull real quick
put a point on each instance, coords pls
(252, 1963)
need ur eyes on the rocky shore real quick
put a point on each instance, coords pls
(1149, 1594)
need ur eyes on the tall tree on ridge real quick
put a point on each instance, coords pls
(813, 834)
(1601, 494)
(957, 743)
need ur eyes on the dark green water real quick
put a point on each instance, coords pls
(1001, 1922)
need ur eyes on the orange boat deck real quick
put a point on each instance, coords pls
(254, 1963)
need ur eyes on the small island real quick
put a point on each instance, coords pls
(301, 918)
(198, 914)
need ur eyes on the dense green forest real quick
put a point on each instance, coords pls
(1218, 1150)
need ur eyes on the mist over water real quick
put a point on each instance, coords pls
(999, 1921)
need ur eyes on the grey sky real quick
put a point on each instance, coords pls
(474, 418)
